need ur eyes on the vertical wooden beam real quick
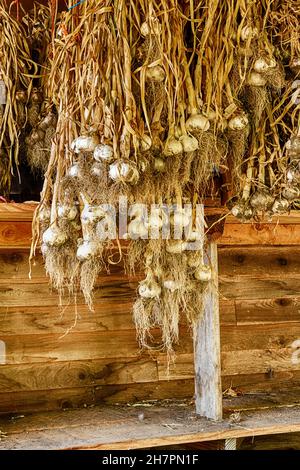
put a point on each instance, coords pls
(208, 390)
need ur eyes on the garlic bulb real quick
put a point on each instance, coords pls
(154, 27)
(122, 171)
(87, 250)
(21, 96)
(137, 229)
(159, 164)
(248, 32)
(97, 169)
(104, 152)
(291, 193)
(173, 147)
(149, 288)
(293, 147)
(37, 135)
(145, 143)
(155, 221)
(203, 273)
(256, 79)
(66, 211)
(238, 122)
(264, 64)
(44, 214)
(241, 212)
(280, 206)
(171, 285)
(197, 122)
(194, 259)
(295, 64)
(54, 236)
(189, 143)
(92, 214)
(155, 74)
(180, 218)
(75, 171)
(44, 249)
(261, 200)
(85, 143)
(47, 121)
(293, 175)
(176, 246)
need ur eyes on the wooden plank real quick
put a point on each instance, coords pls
(208, 393)
(260, 261)
(262, 382)
(260, 234)
(122, 429)
(264, 336)
(281, 309)
(81, 346)
(15, 234)
(273, 442)
(74, 397)
(17, 211)
(240, 288)
(48, 376)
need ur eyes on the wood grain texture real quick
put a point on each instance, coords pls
(260, 234)
(15, 234)
(17, 211)
(280, 309)
(162, 426)
(207, 361)
(240, 288)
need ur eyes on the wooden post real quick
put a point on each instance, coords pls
(208, 390)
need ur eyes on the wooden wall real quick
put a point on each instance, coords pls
(52, 363)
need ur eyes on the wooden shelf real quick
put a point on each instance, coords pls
(150, 425)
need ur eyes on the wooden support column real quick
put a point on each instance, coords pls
(208, 391)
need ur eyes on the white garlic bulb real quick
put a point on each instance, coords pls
(145, 143)
(154, 27)
(238, 122)
(155, 74)
(155, 221)
(264, 64)
(97, 169)
(189, 143)
(85, 143)
(149, 289)
(171, 285)
(248, 32)
(75, 171)
(159, 164)
(137, 229)
(45, 214)
(203, 273)
(256, 79)
(104, 153)
(87, 250)
(176, 246)
(280, 206)
(92, 214)
(197, 122)
(66, 211)
(173, 147)
(123, 171)
(180, 218)
(44, 249)
(54, 236)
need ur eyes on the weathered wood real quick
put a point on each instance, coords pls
(81, 346)
(260, 261)
(74, 397)
(15, 235)
(17, 211)
(208, 393)
(256, 288)
(273, 442)
(260, 234)
(282, 309)
(269, 382)
(47, 376)
(121, 427)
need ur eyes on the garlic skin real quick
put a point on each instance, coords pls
(159, 165)
(248, 32)
(295, 64)
(262, 64)
(203, 273)
(189, 143)
(293, 147)
(47, 121)
(155, 74)
(37, 136)
(194, 259)
(145, 143)
(155, 222)
(176, 246)
(97, 169)
(180, 219)
(280, 206)
(153, 28)
(123, 171)
(104, 153)
(137, 229)
(238, 122)
(87, 250)
(21, 96)
(85, 144)
(173, 147)
(241, 212)
(293, 175)
(291, 193)
(149, 289)
(75, 171)
(44, 249)
(261, 200)
(53, 236)
(256, 79)
(171, 285)
(92, 214)
(197, 122)
(45, 214)
(66, 211)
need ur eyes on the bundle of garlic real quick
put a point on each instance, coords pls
(16, 70)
